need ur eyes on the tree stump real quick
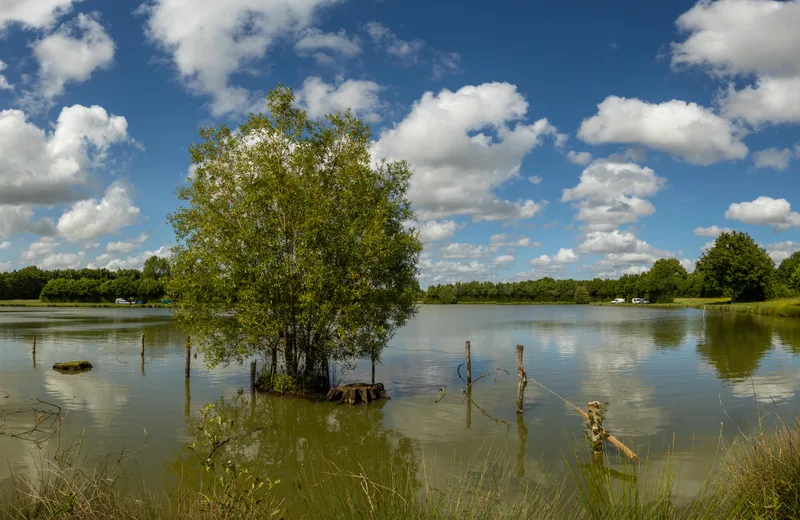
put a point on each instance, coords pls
(356, 393)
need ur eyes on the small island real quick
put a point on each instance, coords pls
(73, 366)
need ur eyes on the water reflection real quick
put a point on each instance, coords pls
(305, 444)
(735, 345)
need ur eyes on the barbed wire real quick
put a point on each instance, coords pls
(426, 350)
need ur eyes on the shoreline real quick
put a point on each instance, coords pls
(784, 308)
(97, 305)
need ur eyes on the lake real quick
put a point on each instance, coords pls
(677, 378)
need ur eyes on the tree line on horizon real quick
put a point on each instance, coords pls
(87, 285)
(734, 267)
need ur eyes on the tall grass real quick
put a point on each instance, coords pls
(758, 476)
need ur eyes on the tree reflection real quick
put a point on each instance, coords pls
(669, 332)
(735, 344)
(313, 448)
(787, 331)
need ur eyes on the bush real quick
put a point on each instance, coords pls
(582, 295)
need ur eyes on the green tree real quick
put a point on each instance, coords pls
(788, 267)
(738, 267)
(665, 279)
(794, 280)
(156, 268)
(292, 244)
(581, 295)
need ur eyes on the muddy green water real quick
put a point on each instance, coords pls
(663, 373)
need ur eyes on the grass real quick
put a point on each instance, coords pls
(758, 476)
(785, 307)
(39, 303)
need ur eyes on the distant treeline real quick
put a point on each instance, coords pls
(86, 285)
(549, 290)
(665, 281)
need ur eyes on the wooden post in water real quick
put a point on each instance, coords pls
(598, 435)
(373, 370)
(142, 345)
(188, 346)
(253, 377)
(522, 379)
(34, 352)
(469, 366)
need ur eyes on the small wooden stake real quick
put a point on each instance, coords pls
(34, 345)
(142, 345)
(469, 366)
(373, 370)
(253, 377)
(188, 346)
(613, 440)
(596, 426)
(522, 379)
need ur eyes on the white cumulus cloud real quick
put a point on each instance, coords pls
(324, 46)
(457, 164)
(71, 54)
(91, 218)
(686, 130)
(741, 38)
(765, 211)
(712, 231)
(42, 246)
(33, 14)
(320, 98)
(775, 158)
(582, 158)
(209, 43)
(459, 251)
(126, 246)
(433, 230)
(38, 167)
(62, 261)
(4, 84)
(611, 194)
(780, 251)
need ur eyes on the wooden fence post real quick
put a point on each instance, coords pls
(142, 345)
(253, 377)
(469, 408)
(598, 434)
(522, 379)
(188, 347)
(34, 345)
(373, 370)
(469, 366)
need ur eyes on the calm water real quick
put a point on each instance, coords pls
(663, 373)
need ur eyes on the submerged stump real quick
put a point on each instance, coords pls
(356, 393)
(73, 366)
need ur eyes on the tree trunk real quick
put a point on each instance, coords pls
(357, 393)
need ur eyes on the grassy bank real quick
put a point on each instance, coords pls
(39, 303)
(787, 307)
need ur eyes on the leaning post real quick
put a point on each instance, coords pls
(522, 379)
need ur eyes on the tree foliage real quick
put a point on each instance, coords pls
(156, 268)
(665, 279)
(292, 244)
(582, 295)
(794, 280)
(737, 266)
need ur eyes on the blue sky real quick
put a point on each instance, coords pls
(561, 139)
